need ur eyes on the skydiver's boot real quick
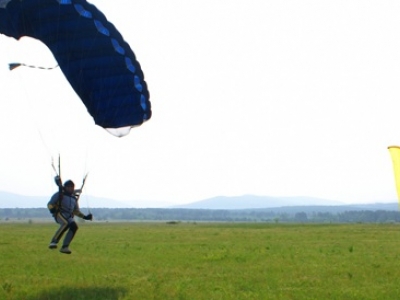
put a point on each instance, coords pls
(53, 245)
(65, 250)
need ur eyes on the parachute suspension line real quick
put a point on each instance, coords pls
(58, 172)
(46, 147)
(59, 165)
(84, 180)
(13, 66)
(54, 168)
(78, 192)
(86, 170)
(87, 198)
(57, 179)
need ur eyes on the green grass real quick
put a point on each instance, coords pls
(202, 261)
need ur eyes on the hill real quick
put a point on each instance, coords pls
(245, 202)
(253, 202)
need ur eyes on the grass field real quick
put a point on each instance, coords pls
(202, 261)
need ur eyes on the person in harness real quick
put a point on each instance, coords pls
(63, 205)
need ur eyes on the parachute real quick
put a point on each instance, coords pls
(395, 155)
(100, 66)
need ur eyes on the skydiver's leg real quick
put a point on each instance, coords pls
(73, 228)
(61, 230)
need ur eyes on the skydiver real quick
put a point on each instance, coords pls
(63, 205)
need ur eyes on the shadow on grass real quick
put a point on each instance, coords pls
(81, 293)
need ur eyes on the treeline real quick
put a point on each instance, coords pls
(208, 215)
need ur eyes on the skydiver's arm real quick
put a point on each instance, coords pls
(54, 202)
(77, 211)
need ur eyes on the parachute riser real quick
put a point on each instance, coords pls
(58, 181)
(78, 192)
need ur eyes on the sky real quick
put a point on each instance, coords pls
(271, 98)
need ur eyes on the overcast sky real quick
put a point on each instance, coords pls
(275, 98)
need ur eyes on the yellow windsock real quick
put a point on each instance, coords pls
(395, 154)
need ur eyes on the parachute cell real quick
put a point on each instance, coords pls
(100, 66)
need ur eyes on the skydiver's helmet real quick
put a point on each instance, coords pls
(69, 183)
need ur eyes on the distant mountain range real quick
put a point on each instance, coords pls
(293, 204)
(284, 204)
(252, 201)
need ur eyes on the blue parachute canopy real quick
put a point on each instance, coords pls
(100, 66)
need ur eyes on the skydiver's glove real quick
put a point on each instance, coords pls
(53, 210)
(57, 180)
(88, 217)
